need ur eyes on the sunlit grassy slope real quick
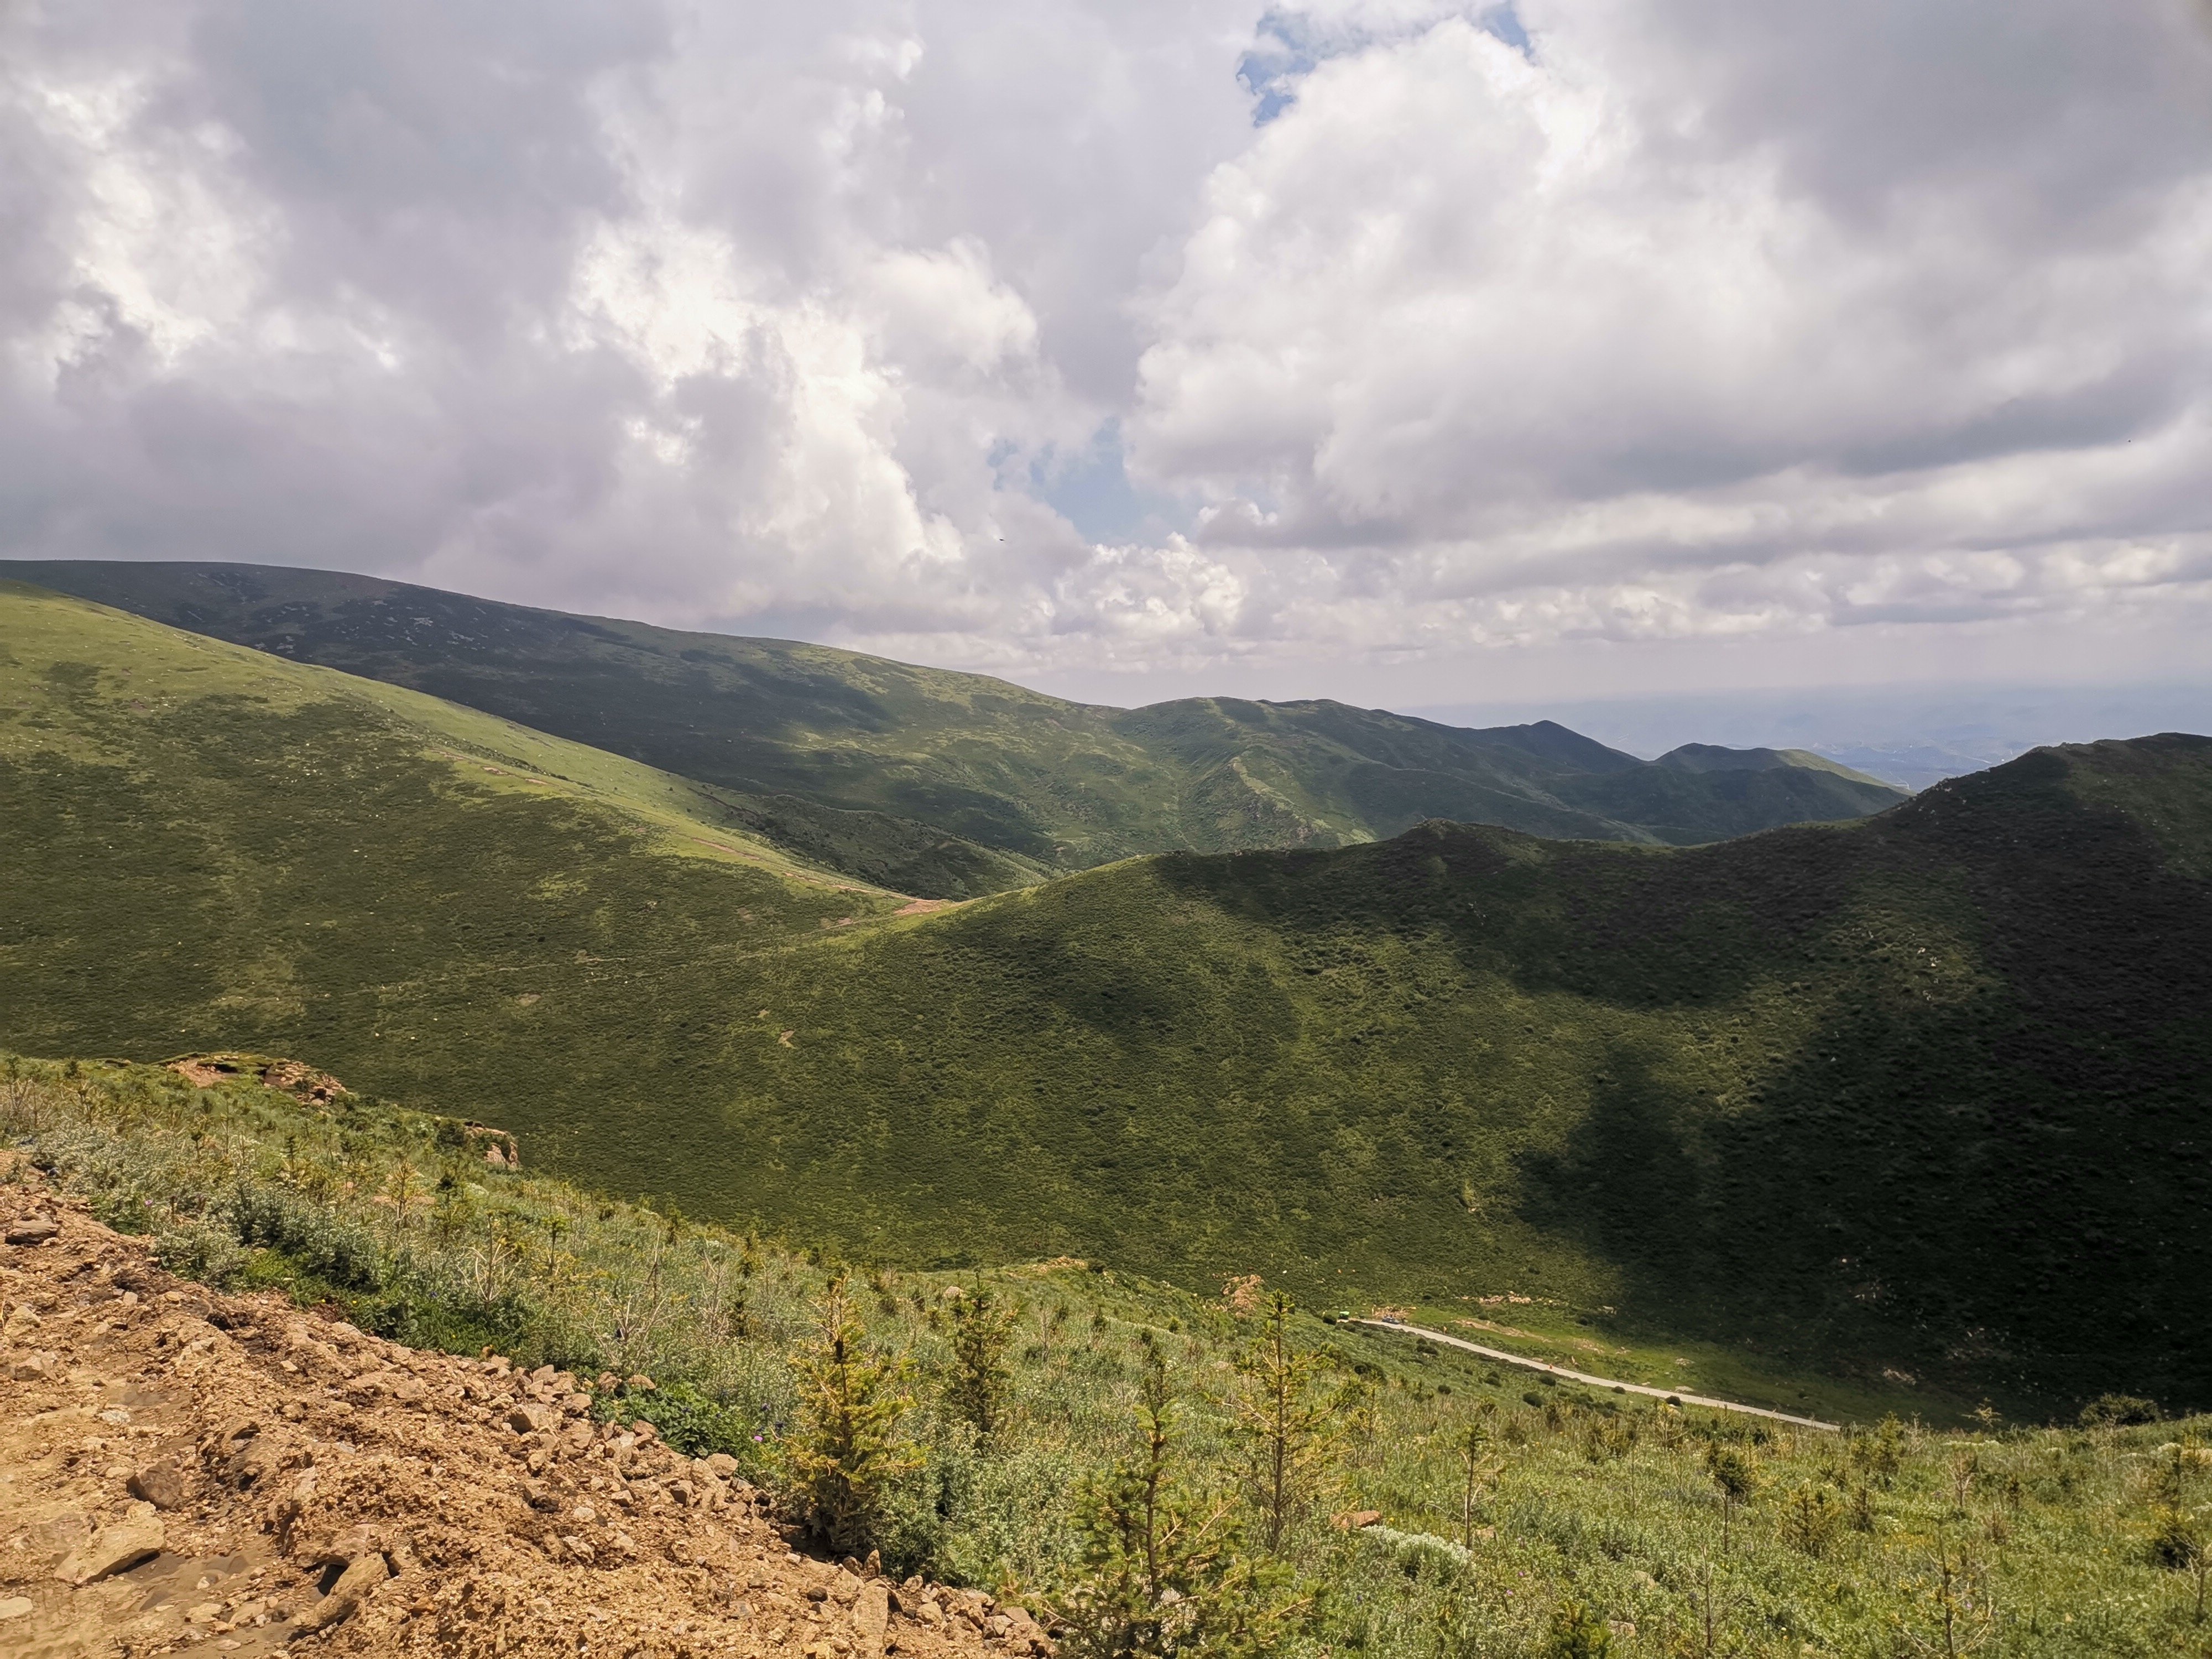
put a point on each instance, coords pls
(1924, 1094)
(200, 843)
(954, 785)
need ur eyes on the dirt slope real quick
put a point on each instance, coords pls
(179, 1468)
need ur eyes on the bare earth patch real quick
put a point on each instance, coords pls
(180, 1469)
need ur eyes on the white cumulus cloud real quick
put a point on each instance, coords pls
(1426, 330)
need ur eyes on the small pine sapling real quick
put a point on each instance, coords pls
(1881, 1453)
(976, 1390)
(1471, 1444)
(1163, 1571)
(1862, 1509)
(1732, 1471)
(1961, 1615)
(1810, 1517)
(1285, 1421)
(847, 1452)
(1965, 1464)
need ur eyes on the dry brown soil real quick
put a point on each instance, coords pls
(182, 1470)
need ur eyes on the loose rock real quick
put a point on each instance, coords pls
(112, 1549)
(161, 1485)
(347, 1594)
(871, 1617)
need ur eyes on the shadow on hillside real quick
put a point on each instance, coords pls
(1993, 1177)
(2005, 1188)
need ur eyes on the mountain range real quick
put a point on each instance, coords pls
(1921, 1094)
(951, 785)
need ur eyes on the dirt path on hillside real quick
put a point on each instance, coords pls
(181, 1468)
(1526, 1363)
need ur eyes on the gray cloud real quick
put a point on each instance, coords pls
(1445, 330)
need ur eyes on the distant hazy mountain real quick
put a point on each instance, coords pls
(1908, 735)
(952, 784)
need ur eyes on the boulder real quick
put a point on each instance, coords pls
(533, 1419)
(161, 1485)
(16, 1607)
(32, 1229)
(112, 1550)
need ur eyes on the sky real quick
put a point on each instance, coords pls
(1412, 353)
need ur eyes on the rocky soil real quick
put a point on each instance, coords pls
(180, 1469)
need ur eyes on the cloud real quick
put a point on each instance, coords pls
(1684, 292)
(1371, 331)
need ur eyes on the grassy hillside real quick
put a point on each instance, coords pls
(201, 841)
(1936, 1088)
(1924, 1094)
(953, 784)
(2071, 1543)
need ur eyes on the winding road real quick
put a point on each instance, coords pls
(1529, 1364)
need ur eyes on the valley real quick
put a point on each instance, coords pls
(1916, 1096)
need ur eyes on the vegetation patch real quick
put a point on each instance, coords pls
(1917, 1103)
(1159, 1478)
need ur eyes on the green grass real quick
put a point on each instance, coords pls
(1918, 1097)
(1583, 1495)
(955, 785)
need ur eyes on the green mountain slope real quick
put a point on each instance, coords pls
(1926, 1093)
(953, 784)
(201, 844)
(1936, 1087)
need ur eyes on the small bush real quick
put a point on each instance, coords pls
(201, 1251)
(1575, 1632)
(2176, 1536)
(2118, 1411)
(1810, 1517)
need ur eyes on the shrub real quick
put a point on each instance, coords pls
(1575, 1632)
(691, 1421)
(200, 1250)
(1810, 1517)
(2117, 1411)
